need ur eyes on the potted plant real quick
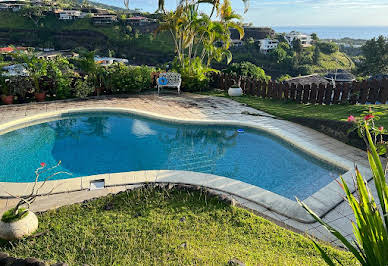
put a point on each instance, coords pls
(6, 95)
(37, 68)
(19, 222)
(235, 90)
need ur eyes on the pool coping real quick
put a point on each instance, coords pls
(322, 201)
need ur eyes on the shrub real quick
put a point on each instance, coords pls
(247, 69)
(10, 216)
(305, 70)
(194, 75)
(128, 79)
(83, 88)
(327, 47)
(283, 78)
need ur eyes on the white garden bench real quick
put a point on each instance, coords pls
(171, 79)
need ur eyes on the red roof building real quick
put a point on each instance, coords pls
(4, 50)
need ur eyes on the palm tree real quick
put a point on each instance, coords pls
(196, 35)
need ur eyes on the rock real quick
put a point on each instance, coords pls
(236, 262)
(183, 245)
(8, 261)
(19, 229)
(3, 255)
(33, 262)
(109, 206)
(60, 264)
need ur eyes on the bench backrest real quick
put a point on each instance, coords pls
(173, 78)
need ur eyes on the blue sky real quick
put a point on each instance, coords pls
(296, 12)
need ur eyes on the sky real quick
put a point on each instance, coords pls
(295, 12)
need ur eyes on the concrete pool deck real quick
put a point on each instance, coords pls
(201, 109)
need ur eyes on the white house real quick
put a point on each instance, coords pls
(15, 70)
(266, 45)
(69, 14)
(107, 61)
(304, 38)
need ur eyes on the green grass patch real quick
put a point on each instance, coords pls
(290, 110)
(9, 216)
(157, 226)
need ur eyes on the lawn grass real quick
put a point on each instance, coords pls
(291, 110)
(158, 226)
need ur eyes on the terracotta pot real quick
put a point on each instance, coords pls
(7, 99)
(40, 97)
(98, 91)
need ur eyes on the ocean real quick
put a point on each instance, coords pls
(338, 32)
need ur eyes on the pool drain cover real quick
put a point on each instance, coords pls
(97, 184)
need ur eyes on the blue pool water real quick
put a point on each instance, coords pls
(97, 143)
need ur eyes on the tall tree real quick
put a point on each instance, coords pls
(34, 12)
(375, 57)
(297, 45)
(316, 55)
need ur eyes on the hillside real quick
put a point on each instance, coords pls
(139, 47)
(305, 65)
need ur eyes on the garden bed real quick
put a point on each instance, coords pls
(161, 226)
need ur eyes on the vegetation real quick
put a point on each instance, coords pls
(199, 39)
(59, 78)
(12, 215)
(247, 69)
(128, 79)
(371, 226)
(164, 227)
(375, 57)
(284, 60)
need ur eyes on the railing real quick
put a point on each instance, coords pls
(369, 91)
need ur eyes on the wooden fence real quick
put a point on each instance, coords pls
(371, 91)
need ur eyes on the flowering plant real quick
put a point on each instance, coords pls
(370, 227)
(370, 118)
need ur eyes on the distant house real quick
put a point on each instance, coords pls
(340, 76)
(139, 21)
(50, 55)
(6, 50)
(12, 5)
(107, 61)
(69, 14)
(304, 38)
(104, 19)
(15, 70)
(267, 45)
(9, 49)
(307, 80)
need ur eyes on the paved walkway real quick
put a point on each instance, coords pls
(196, 107)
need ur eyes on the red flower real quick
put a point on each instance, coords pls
(367, 117)
(43, 164)
(381, 129)
(351, 119)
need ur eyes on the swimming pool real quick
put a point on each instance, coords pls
(103, 142)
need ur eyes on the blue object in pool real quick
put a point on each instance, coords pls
(96, 143)
(240, 130)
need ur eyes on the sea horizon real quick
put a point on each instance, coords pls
(338, 32)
